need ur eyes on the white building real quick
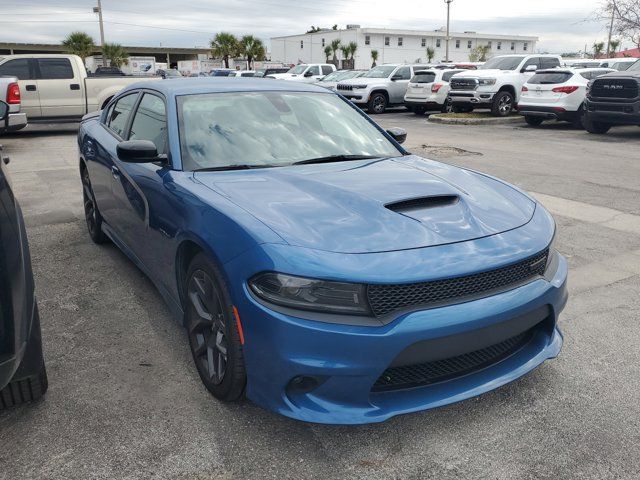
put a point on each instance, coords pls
(394, 46)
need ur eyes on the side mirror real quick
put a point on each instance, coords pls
(396, 77)
(398, 134)
(4, 116)
(308, 73)
(137, 151)
(530, 68)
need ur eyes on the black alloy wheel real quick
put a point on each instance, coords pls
(91, 213)
(213, 334)
(377, 103)
(502, 105)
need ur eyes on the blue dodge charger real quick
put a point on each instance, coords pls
(319, 268)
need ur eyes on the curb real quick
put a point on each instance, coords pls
(437, 118)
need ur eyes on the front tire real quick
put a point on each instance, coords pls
(598, 128)
(447, 106)
(213, 333)
(502, 104)
(91, 213)
(30, 381)
(533, 121)
(377, 103)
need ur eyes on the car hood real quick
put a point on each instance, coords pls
(374, 206)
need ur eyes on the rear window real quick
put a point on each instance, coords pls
(55, 68)
(424, 77)
(548, 78)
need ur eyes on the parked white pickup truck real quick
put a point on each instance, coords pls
(56, 88)
(497, 84)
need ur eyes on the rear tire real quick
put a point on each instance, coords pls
(30, 381)
(533, 121)
(502, 104)
(598, 128)
(213, 333)
(91, 213)
(377, 103)
(447, 106)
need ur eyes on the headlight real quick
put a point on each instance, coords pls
(311, 294)
(486, 81)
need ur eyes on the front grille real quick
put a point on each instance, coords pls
(409, 376)
(345, 87)
(614, 88)
(385, 299)
(463, 84)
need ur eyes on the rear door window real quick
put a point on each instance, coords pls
(54, 68)
(549, 78)
(19, 67)
(424, 77)
(119, 114)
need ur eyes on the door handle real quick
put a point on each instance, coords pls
(30, 88)
(115, 171)
(74, 86)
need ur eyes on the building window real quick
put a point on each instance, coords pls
(526, 46)
(323, 42)
(301, 43)
(469, 44)
(513, 45)
(386, 41)
(457, 43)
(490, 45)
(499, 45)
(399, 41)
(367, 40)
(438, 43)
(423, 42)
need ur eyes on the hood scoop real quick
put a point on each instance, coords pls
(423, 203)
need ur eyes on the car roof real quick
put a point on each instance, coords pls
(200, 85)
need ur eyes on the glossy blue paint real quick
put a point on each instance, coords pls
(330, 221)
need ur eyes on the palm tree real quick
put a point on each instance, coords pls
(79, 43)
(598, 47)
(353, 47)
(224, 45)
(252, 48)
(327, 52)
(116, 55)
(614, 44)
(345, 55)
(430, 54)
(335, 46)
(374, 57)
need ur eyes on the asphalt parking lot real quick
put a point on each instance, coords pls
(126, 402)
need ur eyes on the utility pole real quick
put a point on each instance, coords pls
(98, 10)
(613, 16)
(446, 55)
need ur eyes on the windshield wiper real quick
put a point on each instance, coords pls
(335, 158)
(234, 167)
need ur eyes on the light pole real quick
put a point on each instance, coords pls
(446, 55)
(98, 10)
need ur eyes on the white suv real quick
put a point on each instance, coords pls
(306, 73)
(429, 90)
(381, 87)
(557, 94)
(497, 84)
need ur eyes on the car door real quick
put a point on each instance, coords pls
(102, 157)
(58, 84)
(139, 189)
(24, 70)
(398, 88)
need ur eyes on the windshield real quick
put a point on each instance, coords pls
(502, 63)
(265, 129)
(634, 66)
(298, 69)
(337, 76)
(383, 71)
(622, 66)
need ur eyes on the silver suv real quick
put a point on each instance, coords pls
(381, 87)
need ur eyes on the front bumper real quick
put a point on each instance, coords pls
(615, 113)
(473, 97)
(358, 96)
(347, 361)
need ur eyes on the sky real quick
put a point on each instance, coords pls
(562, 26)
